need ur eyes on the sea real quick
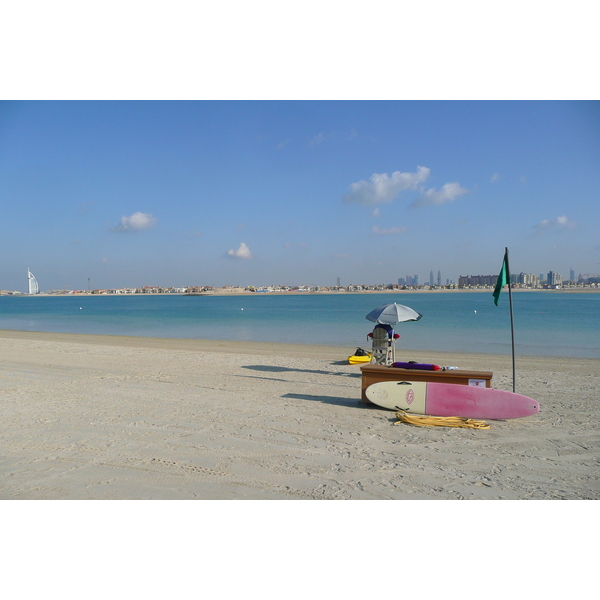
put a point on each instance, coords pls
(545, 323)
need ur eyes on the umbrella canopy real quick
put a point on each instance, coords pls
(391, 314)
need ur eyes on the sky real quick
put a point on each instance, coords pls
(265, 145)
(177, 193)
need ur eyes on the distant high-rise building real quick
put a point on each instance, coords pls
(338, 282)
(34, 288)
(527, 279)
(439, 278)
(554, 279)
(572, 274)
(431, 278)
(469, 280)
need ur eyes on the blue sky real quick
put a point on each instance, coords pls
(133, 193)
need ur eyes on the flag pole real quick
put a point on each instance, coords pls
(512, 323)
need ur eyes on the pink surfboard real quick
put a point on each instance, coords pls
(451, 400)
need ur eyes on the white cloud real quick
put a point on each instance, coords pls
(318, 139)
(242, 252)
(558, 224)
(337, 135)
(495, 177)
(390, 231)
(433, 197)
(376, 212)
(136, 222)
(383, 188)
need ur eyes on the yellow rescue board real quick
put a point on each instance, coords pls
(356, 360)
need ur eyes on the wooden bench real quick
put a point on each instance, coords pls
(372, 373)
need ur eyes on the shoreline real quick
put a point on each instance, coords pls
(111, 417)
(321, 351)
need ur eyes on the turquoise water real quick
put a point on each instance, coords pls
(553, 324)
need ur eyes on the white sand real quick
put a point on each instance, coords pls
(100, 417)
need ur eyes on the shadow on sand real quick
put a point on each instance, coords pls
(350, 402)
(271, 369)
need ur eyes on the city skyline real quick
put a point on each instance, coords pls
(252, 193)
(528, 279)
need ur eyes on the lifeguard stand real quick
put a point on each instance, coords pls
(384, 345)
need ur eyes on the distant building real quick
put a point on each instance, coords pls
(554, 279)
(526, 280)
(476, 280)
(34, 288)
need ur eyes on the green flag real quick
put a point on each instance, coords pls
(503, 278)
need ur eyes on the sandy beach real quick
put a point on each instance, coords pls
(101, 417)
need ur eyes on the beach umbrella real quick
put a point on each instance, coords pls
(391, 314)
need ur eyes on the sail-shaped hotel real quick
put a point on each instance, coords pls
(34, 288)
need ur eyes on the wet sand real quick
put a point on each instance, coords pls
(105, 417)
